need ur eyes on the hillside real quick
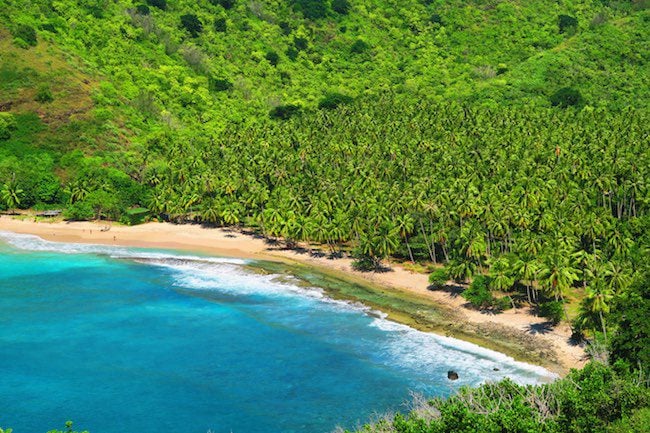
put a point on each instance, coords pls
(499, 144)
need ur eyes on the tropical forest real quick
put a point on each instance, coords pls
(501, 148)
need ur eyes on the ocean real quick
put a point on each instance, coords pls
(131, 340)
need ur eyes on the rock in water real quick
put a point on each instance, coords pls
(495, 369)
(452, 375)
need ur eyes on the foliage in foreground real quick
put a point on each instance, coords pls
(600, 398)
(596, 399)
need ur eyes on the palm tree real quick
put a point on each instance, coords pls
(11, 195)
(618, 277)
(500, 271)
(600, 297)
(405, 225)
(557, 276)
(526, 268)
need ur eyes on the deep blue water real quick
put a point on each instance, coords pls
(123, 340)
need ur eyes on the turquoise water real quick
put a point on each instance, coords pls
(124, 340)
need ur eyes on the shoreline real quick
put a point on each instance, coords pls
(401, 294)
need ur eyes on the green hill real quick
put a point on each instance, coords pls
(502, 143)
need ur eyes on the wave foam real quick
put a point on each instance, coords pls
(419, 349)
(422, 352)
(35, 243)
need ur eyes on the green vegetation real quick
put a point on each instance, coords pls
(599, 398)
(594, 399)
(523, 161)
(505, 141)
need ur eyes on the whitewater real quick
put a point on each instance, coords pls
(164, 339)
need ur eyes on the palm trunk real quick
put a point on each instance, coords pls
(408, 247)
(426, 240)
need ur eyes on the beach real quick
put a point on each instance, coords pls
(516, 332)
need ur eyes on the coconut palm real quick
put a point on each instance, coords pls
(11, 195)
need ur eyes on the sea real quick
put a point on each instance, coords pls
(141, 341)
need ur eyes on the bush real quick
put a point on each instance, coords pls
(284, 112)
(49, 27)
(7, 125)
(219, 84)
(226, 4)
(438, 279)
(598, 397)
(26, 34)
(567, 24)
(637, 422)
(333, 100)
(192, 24)
(292, 53)
(300, 44)
(567, 97)
(341, 6)
(220, 25)
(631, 342)
(436, 19)
(478, 293)
(552, 310)
(160, 4)
(364, 264)
(79, 211)
(312, 9)
(359, 47)
(285, 27)
(44, 94)
(142, 9)
(272, 57)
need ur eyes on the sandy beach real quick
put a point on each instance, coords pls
(233, 243)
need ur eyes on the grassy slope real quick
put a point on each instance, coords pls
(70, 121)
(491, 52)
(609, 64)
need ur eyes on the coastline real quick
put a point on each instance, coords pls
(401, 294)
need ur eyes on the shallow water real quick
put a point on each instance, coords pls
(127, 340)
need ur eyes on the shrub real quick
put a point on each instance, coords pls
(567, 24)
(364, 264)
(551, 310)
(219, 84)
(635, 423)
(333, 100)
(567, 97)
(7, 125)
(26, 34)
(438, 279)
(312, 9)
(631, 342)
(285, 27)
(272, 57)
(79, 211)
(341, 6)
(478, 293)
(292, 53)
(44, 94)
(284, 112)
(226, 4)
(49, 27)
(220, 25)
(194, 57)
(359, 47)
(142, 9)
(192, 24)
(301, 44)
(436, 19)
(598, 20)
(160, 4)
